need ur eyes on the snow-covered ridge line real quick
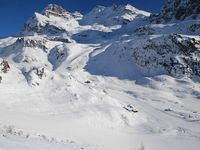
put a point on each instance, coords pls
(114, 15)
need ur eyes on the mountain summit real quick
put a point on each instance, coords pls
(52, 20)
(53, 9)
(114, 15)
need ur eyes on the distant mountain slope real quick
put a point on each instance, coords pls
(115, 15)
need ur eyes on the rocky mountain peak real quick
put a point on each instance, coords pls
(52, 20)
(58, 11)
(53, 9)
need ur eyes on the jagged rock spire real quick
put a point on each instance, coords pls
(53, 9)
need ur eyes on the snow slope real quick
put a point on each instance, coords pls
(83, 82)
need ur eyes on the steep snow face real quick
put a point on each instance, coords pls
(53, 20)
(115, 15)
(178, 10)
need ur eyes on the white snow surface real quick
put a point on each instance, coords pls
(88, 93)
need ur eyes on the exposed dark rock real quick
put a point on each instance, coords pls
(177, 9)
(167, 109)
(87, 82)
(57, 55)
(194, 27)
(40, 72)
(53, 9)
(33, 43)
(64, 40)
(35, 76)
(146, 30)
(4, 66)
(77, 15)
(130, 108)
(176, 54)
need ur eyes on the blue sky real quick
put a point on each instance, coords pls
(14, 13)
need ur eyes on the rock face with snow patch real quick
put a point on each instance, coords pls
(178, 10)
(58, 55)
(35, 76)
(32, 43)
(178, 55)
(55, 10)
(53, 20)
(195, 27)
(4, 66)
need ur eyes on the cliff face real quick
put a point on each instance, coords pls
(177, 10)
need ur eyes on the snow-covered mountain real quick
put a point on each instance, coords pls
(114, 15)
(115, 78)
(53, 20)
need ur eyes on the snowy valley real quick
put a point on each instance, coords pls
(117, 78)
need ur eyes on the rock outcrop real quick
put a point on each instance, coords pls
(35, 76)
(177, 10)
(178, 55)
(4, 66)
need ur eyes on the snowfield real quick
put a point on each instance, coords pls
(100, 82)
